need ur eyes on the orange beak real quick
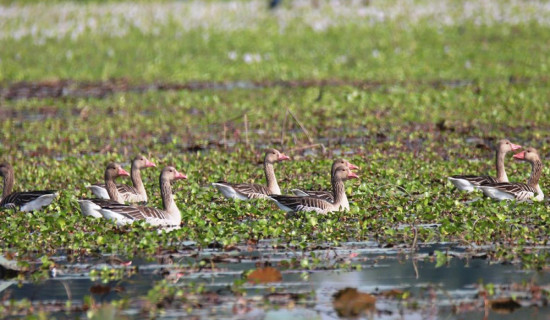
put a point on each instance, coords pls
(520, 156)
(352, 166)
(180, 176)
(515, 147)
(149, 164)
(122, 172)
(352, 175)
(283, 156)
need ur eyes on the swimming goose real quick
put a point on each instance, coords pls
(519, 191)
(92, 207)
(169, 216)
(132, 194)
(25, 201)
(470, 182)
(294, 203)
(246, 191)
(328, 195)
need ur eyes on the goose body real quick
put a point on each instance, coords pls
(470, 183)
(519, 191)
(26, 200)
(243, 191)
(124, 214)
(92, 207)
(512, 191)
(328, 195)
(314, 204)
(247, 191)
(321, 194)
(29, 201)
(131, 194)
(304, 204)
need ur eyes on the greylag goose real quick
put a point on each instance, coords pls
(519, 191)
(328, 195)
(169, 216)
(294, 203)
(131, 194)
(25, 201)
(246, 191)
(469, 183)
(92, 207)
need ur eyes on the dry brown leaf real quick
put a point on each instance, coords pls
(100, 289)
(393, 293)
(504, 305)
(349, 302)
(265, 275)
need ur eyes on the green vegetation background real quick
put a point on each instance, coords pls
(407, 131)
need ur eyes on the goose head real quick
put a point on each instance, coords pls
(273, 155)
(344, 162)
(114, 170)
(344, 173)
(141, 162)
(529, 155)
(170, 173)
(505, 146)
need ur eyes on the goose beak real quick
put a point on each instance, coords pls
(352, 166)
(352, 175)
(516, 147)
(283, 156)
(520, 156)
(122, 172)
(149, 164)
(179, 176)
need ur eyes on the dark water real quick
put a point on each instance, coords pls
(449, 291)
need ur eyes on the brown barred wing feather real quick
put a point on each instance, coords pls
(321, 194)
(251, 191)
(476, 180)
(295, 203)
(508, 191)
(28, 200)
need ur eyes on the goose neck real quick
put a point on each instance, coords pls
(8, 183)
(501, 171)
(271, 179)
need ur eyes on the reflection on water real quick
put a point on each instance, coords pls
(435, 292)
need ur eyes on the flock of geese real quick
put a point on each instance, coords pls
(500, 188)
(121, 203)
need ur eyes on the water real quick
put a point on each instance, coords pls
(449, 290)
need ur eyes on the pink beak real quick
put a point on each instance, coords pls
(180, 176)
(283, 156)
(352, 175)
(149, 164)
(122, 172)
(515, 147)
(520, 156)
(352, 166)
